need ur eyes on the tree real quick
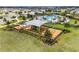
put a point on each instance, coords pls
(20, 13)
(5, 20)
(75, 22)
(24, 11)
(43, 13)
(59, 18)
(13, 17)
(68, 11)
(48, 37)
(48, 10)
(63, 12)
(22, 18)
(16, 12)
(30, 16)
(73, 13)
(6, 12)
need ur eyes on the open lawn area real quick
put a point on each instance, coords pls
(15, 41)
(70, 41)
(72, 21)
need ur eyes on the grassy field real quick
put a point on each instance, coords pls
(15, 41)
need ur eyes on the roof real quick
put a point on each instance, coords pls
(2, 22)
(37, 23)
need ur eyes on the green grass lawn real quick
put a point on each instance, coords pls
(70, 41)
(62, 26)
(59, 26)
(72, 21)
(15, 41)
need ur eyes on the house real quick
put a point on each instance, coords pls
(32, 13)
(76, 11)
(9, 18)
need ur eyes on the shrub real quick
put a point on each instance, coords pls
(29, 33)
(9, 28)
(8, 22)
(13, 21)
(67, 25)
(75, 22)
(66, 31)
